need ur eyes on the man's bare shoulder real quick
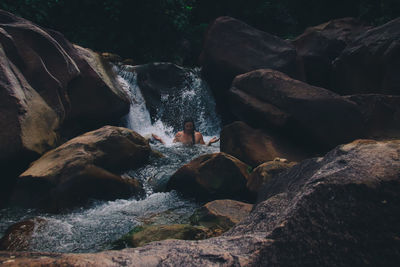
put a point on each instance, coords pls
(197, 134)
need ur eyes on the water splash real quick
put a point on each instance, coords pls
(193, 98)
(138, 118)
(97, 228)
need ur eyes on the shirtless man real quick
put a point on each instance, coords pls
(188, 135)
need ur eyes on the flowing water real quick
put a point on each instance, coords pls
(95, 228)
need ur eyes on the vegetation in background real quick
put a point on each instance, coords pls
(173, 30)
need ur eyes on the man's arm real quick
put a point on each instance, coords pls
(177, 138)
(199, 138)
(157, 138)
(213, 140)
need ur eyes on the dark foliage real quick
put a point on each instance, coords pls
(172, 30)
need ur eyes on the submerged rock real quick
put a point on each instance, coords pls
(371, 63)
(82, 169)
(220, 215)
(143, 235)
(18, 236)
(338, 210)
(212, 176)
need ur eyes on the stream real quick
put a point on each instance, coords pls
(96, 227)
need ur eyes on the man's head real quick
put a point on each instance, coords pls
(188, 125)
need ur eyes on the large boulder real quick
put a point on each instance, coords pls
(29, 124)
(232, 47)
(212, 176)
(221, 215)
(48, 86)
(371, 63)
(254, 146)
(96, 97)
(83, 168)
(306, 113)
(65, 75)
(318, 46)
(19, 235)
(338, 210)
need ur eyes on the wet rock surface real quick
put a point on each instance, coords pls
(157, 80)
(221, 215)
(18, 236)
(143, 235)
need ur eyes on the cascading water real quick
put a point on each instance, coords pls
(96, 228)
(193, 99)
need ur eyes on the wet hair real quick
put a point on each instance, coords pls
(186, 120)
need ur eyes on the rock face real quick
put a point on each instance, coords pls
(318, 46)
(46, 83)
(143, 235)
(253, 146)
(221, 214)
(339, 210)
(82, 169)
(18, 236)
(232, 47)
(265, 172)
(29, 120)
(371, 63)
(303, 112)
(212, 176)
(381, 114)
(96, 97)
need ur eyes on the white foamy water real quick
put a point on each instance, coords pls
(193, 99)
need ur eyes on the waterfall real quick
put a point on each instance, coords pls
(192, 98)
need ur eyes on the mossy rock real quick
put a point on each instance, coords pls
(142, 235)
(220, 215)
